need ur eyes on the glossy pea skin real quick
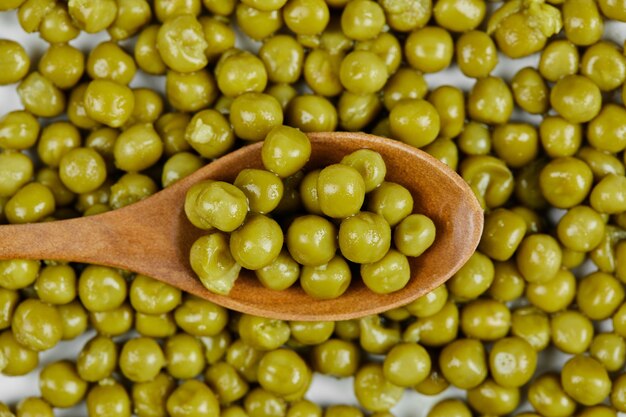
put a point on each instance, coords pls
(108, 102)
(132, 16)
(326, 281)
(18, 130)
(228, 385)
(321, 72)
(74, 319)
(179, 166)
(362, 72)
(40, 96)
(155, 325)
(406, 83)
(539, 258)
(146, 54)
(16, 170)
(585, 380)
(572, 332)
(262, 333)
(60, 384)
(503, 232)
(281, 273)
(258, 24)
(554, 295)
(491, 398)
(20, 360)
(18, 273)
(33, 406)
(457, 16)
(547, 396)
(240, 72)
(576, 98)
(582, 28)
(209, 133)
(10, 299)
(373, 391)
(565, 181)
(437, 329)
(558, 59)
(559, 137)
(364, 237)
(165, 10)
(311, 333)
(599, 295)
(414, 234)
(254, 115)
(450, 408)
(36, 325)
(141, 359)
(415, 122)
(609, 349)
(464, 363)
(263, 189)
(311, 113)
(108, 61)
(283, 372)
(211, 260)
(82, 170)
(113, 322)
(606, 131)
(389, 274)
(55, 141)
(476, 54)
(581, 229)
(609, 195)
(190, 91)
(450, 105)
(336, 357)
(311, 240)
(14, 62)
(93, 16)
(32, 203)
(340, 190)
(192, 398)
(101, 288)
(181, 44)
(485, 319)
(429, 49)
(103, 400)
(285, 150)
(362, 20)
(149, 398)
(147, 295)
(184, 356)
(473, 279)
(200, 317)
(429, 303)
(512, 362)
(530, 91)
(221, 205)
(604, 65)
(98, 359)
(618, 393)
(56, 284)
(370, 165)
(257, 242)
(490, 101)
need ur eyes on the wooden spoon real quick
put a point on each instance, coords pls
(153, 236)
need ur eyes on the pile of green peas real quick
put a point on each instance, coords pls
(242, 234)
(87, 142)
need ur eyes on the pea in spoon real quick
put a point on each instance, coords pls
(153, 236)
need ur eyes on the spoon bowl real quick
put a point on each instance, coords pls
(153, 237)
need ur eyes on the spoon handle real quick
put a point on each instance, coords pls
(87, 239)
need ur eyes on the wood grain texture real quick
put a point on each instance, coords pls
(153, 236)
